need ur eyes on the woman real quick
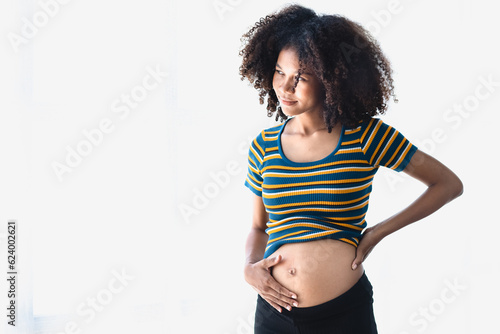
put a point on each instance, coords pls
(326, 77)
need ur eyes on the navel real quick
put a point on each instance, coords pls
(291, 271)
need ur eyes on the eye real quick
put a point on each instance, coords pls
(278, 71)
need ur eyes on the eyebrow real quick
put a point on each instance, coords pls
(307, 73)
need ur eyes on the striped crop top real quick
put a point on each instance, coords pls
(327, 198)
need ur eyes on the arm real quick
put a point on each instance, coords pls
(257, 238)
(257, 272)
(442, 187)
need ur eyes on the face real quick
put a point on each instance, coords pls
(306, 97)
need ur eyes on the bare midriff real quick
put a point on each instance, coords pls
(317, 271)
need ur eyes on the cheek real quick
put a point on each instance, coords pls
(275, 82)
(314, 93)
(307, 94)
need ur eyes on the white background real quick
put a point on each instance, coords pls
(145, 200)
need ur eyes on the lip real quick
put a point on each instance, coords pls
(287, 102)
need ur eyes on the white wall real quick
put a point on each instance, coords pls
(117, 212)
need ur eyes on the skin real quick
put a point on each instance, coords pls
(306, 105)
(306, 97)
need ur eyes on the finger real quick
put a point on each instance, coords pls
(273, 304)
(360, 257)
(281, 293)
(273, 261)
(279, 289)
(354, 265)
(279, 303)
(357, 260)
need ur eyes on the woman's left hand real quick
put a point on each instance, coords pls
(369, 239)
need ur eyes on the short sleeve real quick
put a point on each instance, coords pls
(385, 146)
(256, 153)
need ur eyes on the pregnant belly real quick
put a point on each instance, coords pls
(316, 271)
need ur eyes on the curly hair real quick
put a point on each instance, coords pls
(355, 74)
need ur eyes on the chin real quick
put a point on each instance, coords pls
(290, 112)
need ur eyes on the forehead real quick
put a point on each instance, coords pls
(288, 59)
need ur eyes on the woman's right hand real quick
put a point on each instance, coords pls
(258, 275)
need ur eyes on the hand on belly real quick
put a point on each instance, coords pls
(317, 271)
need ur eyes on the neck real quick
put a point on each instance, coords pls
(307, 124)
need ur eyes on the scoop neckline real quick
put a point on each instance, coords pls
(307, 163)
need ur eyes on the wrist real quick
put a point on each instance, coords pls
(251, 259)
(248, 265)
(380, 231)
(247, 271)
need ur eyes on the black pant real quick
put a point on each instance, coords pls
(349, 313)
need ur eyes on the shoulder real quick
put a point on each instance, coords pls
(367, 132)
(364, 128)
(371, 127)
(267, 134)
(364, 124)
(384, 145)
(260, 142)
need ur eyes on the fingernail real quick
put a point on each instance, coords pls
(354, 266)
(295, 304)
(294, 296)
(288, 307)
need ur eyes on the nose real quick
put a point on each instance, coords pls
(288, 85)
